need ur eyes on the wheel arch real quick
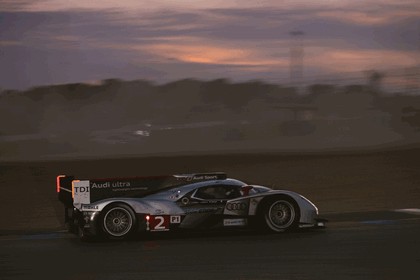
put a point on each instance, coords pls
(115, 204)
(111, 203)
(267, 201)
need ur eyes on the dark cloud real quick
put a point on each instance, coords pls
(237, 24)
(401, 35)
(64, 46)
(29, 66)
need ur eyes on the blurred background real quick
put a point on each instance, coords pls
(88, 79)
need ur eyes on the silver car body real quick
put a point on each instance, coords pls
(173, 208)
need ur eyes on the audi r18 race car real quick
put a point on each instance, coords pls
(121, 207)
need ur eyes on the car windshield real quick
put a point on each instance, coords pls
(218, 192)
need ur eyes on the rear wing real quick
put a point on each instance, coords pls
(76, 193)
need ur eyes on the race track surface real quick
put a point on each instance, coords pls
(384, 248)
(371, 200)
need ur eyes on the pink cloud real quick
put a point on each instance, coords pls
(351, 60)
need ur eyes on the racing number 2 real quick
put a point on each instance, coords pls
(159, 223)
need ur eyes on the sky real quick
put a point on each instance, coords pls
(45, 42)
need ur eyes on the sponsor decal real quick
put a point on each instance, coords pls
(90, 207)
(110, 185)
(175, 219)
(234, 222)
(202, 210)
(159, 223)
(206, 202)
(81, 193)
(202, 177)
(81, 189)
(236, 206)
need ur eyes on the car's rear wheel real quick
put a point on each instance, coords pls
(281, 214)
(118, 221)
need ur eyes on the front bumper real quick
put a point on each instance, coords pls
(317, 223)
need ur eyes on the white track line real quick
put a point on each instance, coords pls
(414, 211)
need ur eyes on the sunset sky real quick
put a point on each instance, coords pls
(59, 41)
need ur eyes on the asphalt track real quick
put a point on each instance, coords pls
(379, 245)
(365, 239)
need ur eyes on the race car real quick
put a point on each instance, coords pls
(118, 208)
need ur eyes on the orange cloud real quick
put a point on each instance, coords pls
(199, 50)
(256, 58)
(368, 17)
(357, 60)
(246, 55)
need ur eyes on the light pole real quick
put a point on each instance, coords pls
(296, 58)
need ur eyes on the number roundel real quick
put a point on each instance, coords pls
(159, 223)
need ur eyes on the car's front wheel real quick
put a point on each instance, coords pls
(281, 214)
(118, 221)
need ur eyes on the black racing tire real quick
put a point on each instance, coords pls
(117, 221)
(280, 214)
